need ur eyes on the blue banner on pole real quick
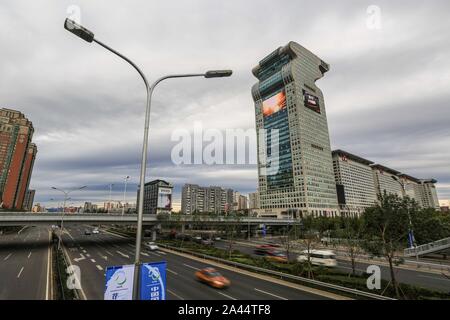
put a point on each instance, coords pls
(153, 281)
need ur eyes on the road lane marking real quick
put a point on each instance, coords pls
(227, 296)
(179, 297)
(7, 257)
(123, 254)
(93, 261)
(189, 266)
(82, 257)
(145, 254)
(109, 253)
(84, 251)
(18, 232)
(162, 252)
(88, 255)
(29, 255)
(20, 272)
(99, 267)
(158, 255)
(271, 294)
(171, 271)
(434, 278)
(48, 295)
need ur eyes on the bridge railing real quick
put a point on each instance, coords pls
(429, 247)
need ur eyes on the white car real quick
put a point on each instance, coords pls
(152, 246)
(326, 258)
(95, 231)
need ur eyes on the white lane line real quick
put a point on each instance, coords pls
(162, 252)
(99, 267)
(82, 257)
(93, 261)
(145, 254)
(84, 251)
(189, 266)
(88, 255)
(123, 254)
(270, 294)
(179, 297)
(158, 255)
(18, 232)
(171, 271)
(29, 255)
(7, 257)
(434, 278)
(227, 296)
(109, 253)
(130, 245)
(20, 272)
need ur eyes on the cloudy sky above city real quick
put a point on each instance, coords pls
(387, 93)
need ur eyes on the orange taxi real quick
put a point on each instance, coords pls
(212, 277)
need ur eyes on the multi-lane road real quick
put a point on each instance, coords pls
(93, 253)
(25, 265)
(434, 281)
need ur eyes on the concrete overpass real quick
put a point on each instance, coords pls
(21, 219)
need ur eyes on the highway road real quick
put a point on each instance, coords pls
(418, 278)
(93, 253)
(24, 265)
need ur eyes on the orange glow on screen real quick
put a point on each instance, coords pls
(274, 104)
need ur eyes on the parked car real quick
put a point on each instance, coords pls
(325, 258)
(213, 278)
(95, 231)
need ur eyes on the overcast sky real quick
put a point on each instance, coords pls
(387, 93)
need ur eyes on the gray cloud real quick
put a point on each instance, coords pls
(386, 94)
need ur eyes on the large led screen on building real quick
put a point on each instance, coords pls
(311, 102)
(164, 198)
(274, 104)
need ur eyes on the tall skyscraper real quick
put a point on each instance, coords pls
(295, 171)
(157, 197)
(17, 155)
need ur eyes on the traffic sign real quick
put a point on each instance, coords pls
(119, 283)
(153, 281)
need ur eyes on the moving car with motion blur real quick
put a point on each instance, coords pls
(326, 258)
(151, 246)
(276, 256)
(213, 278)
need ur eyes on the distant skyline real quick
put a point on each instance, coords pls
(386, 93)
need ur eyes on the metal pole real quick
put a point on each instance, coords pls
(124, 194)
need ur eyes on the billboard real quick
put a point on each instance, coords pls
(164, 198)
(311, 101)
(274, 104)
(119, 283)
(153, 281)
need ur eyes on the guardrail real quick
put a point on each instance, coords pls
(428, 248)
(282, 275)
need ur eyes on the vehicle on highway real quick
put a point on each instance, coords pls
(152, 246)
(207, 242)
(276, 256)
(263, 249)
(325, 258)
(87, 232)
(197, 239)
(213, 278)
(217, 238)
(95, 231)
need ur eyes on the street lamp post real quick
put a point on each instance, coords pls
(124, 194)
(66, 197)
(411, 239)
(88, 36)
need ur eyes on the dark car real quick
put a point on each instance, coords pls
(207, 242)
(87, 232)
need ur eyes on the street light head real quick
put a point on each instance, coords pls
(53, 188)
(218, 73)
(78, 30)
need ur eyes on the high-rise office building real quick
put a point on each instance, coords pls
(197, 199)
(29, 200)
(295, 170)
(17, 155)
(355, 183)
(253, 200)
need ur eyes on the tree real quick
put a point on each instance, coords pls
(386, 228)
(352, 231)
(429, 225)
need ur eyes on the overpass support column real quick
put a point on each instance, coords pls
(183, 227)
